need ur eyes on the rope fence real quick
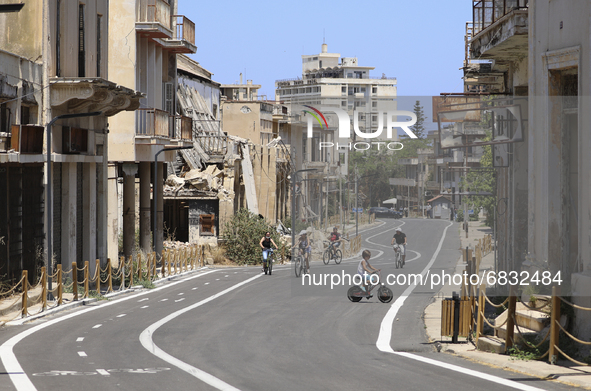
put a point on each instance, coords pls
(98, 281)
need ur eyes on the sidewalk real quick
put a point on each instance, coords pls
(566, 372)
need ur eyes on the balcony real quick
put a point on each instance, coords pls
(153, 19)
(213, 144)
(499, 29)
(152, 123)
(184, 36)
(183, 127)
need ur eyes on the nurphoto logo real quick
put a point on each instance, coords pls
(344, 127)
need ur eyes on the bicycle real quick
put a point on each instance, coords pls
(300, 263)
(356, 293)
(398, 254)
(268, 265)
(332, 253)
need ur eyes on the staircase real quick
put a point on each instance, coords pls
(531, 323)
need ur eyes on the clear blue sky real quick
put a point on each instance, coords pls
(421, 43)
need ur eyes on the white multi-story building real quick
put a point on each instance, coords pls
(331, 81)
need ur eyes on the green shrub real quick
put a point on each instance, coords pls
(242, 235)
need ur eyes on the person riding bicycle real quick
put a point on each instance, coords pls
(305, 246)
(400, 238)
(335, 237)
(365, 269)
(265, 244)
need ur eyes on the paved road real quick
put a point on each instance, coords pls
(239, 329)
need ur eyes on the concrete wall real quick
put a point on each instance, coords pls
(242, 119)
(21, 32)
(559, 201)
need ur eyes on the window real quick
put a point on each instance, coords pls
(99, 39)
(374, 104)
(207, 225)
(344, 103)
(25, 115)
(343, 89)
(81, 43)
(374, 90)
(349, 75)
(374, 118)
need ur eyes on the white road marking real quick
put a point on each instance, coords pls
(82, 354)
(180, 294)
(144, 299)
(96, 326)
(217, 279)
(148, 343)
(194, 288)
(79, 339)
(226, 275)
(121, 316)
(103, 372)
(163, 300)
(181, 299)
(385, 335)
(11, 365)
(146, 306)
(207, 283)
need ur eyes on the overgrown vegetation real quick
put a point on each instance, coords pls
(242, 235)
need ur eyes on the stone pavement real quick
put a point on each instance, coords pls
(564, 372)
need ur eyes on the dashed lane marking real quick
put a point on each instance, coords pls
(181, 299)
(79, 339)
(121, 316)
(96, 326)
(103, 372)
(82, 354)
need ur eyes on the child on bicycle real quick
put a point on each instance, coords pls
(365, 269)
(335, 237)
(306, 248)
(265, 244)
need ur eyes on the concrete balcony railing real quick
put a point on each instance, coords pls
(487, 12)
(499, 30)
(153, 18)
(152, 122)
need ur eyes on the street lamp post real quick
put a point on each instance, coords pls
(155, 197)
(50, 192)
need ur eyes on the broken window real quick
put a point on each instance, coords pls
(207, 225)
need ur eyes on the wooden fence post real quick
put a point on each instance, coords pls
(86, 277)
(75, 280)
(98, 276)
(109, 275)
(554, 328)
(25, 289)
(511, 318)
(60, 285)
(130, 271)
(139, 266)
(43, 288)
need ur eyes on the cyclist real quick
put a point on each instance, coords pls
(400, 239)
(305, 246)
(365, 269)
(265, 244)
(335, 237)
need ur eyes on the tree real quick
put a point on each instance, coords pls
(419, 128)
